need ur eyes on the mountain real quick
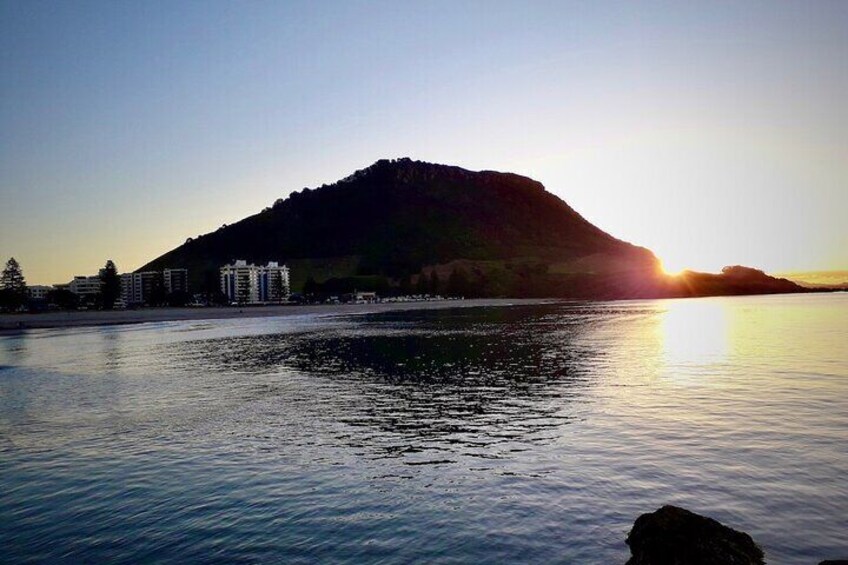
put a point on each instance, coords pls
(402, 223)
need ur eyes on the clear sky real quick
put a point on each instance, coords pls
(713, 133)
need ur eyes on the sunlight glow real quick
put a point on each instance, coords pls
(738, 160)
(694, 336)
(671, 270)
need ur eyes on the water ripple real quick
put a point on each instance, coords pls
(522, 434)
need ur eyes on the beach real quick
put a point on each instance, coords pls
(13, 323)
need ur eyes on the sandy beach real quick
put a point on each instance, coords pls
(13, 323)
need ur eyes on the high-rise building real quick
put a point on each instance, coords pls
(176, 280)
(139, 288)
(252, 284)
(273, 282)
(136, 288)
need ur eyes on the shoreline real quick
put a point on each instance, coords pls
(11, 324)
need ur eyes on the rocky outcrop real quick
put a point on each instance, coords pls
(675, 536)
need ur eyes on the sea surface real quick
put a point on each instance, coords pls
(522, 434)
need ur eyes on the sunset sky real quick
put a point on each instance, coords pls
(713, 133)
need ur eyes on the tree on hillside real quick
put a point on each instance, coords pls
(434, 282)
(421, 287)
(110, 285)
(13, 293)
(310, 287)
(458, 285)
(405, 287)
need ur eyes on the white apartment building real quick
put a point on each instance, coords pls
(83, 285)
(252, 284)
(39, 291)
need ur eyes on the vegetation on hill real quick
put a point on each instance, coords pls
(398, 223)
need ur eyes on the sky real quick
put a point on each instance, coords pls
(713, 133)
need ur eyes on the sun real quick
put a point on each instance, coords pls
(671, 270)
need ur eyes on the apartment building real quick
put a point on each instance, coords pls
(39, 291)
(176, 280)
(83, 285)
(245, 283)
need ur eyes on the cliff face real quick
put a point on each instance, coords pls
(396, 218)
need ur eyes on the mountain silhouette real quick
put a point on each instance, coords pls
(402, 221)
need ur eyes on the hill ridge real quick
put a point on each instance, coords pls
(399, 219)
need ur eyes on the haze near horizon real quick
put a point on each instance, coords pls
(711, 134)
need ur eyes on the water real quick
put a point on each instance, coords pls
(510, 434)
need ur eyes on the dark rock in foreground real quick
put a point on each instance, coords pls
(834, 562)
(675, 536)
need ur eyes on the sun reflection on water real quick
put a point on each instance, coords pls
(694, 333)
(428, 433)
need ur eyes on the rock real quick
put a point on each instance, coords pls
(834, 562)
(675, 536)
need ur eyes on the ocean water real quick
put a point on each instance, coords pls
(523, 434)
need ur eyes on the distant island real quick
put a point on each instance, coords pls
(828, 280)
(406, 226)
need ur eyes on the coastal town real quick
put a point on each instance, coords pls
(240, 284)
